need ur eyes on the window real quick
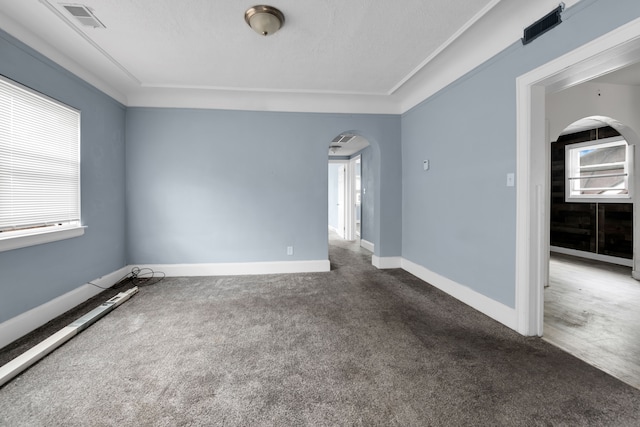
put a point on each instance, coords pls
(598, 171)
(39, 167)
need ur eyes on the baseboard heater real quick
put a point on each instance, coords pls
(28, 358)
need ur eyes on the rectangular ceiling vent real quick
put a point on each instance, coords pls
(543, 25)
(343, 139)
(83, 15)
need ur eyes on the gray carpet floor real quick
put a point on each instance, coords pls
(354, 346)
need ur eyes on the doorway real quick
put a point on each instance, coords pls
(345, 198)
(590, 299)
(614, 51)
(337, 196)
(346, 190)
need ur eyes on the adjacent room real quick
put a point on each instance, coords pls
(319, 213)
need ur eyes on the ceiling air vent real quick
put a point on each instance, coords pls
(543, 25)
(83, 15)
(343, 139)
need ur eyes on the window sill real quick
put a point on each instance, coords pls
(599, 200)
(22, 240)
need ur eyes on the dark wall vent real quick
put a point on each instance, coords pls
(543, 25)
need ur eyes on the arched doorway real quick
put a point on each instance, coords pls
(350, 209)
(591, 197)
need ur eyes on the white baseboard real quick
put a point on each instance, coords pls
(240, 268)
(495, 310)
(17, 327)
(386, 262)
(590, 255)
(26, 322)
(367, 245)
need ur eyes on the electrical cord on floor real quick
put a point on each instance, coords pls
(138, 277)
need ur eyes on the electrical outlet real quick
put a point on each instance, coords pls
(289, 250)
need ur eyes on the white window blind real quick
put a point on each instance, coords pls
(39, 160)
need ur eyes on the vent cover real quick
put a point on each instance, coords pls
(543, 25)
(343, 139)
(83, 15)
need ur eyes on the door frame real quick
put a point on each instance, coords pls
(352, 218)
(612, 51)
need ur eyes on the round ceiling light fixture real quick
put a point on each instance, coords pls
(265, 20)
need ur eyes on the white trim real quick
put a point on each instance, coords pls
(386, 262)
(442, 67)
(16, 327)
(350, 212)
(590, 255)
(262, 101)
(240, 268)
(494, 309)
(445, 45)
(610, 52)
(10, 240)
(367, 245)
(43, 47)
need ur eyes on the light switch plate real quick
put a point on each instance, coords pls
(511, 179)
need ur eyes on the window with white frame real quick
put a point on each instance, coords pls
(39, 163)
(598, 171)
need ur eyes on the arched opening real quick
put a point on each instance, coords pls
(350, 185)
(591, 179)
(590, 293)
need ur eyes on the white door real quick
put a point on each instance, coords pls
(341, 199)
(356, 198)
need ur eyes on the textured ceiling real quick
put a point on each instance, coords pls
(330, 56)
(360, 47)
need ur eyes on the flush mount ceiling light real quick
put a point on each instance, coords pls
(265, 20)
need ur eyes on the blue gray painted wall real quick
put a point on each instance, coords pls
(34, 275)
(232, 186)
(459, 217)
(212, 186)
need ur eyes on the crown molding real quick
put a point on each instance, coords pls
(458, 56)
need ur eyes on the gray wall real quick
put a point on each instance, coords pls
(459, 217)
(34, 275)
(233, 186)
(210, 186)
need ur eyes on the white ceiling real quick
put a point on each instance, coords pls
(326, 46)
(341, 149)
(355, 55)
